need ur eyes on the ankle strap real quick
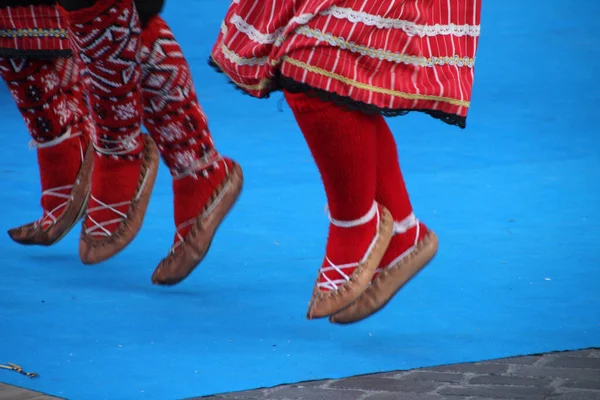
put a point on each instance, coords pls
(33, 144)
(199, 166)
(120, 146)
(402, 226)
(360, 221)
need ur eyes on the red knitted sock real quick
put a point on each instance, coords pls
(69, 72)
(35, 87)
(106, 38)
(177, 124)
(343, 145)
(391, 192)
(193, 194)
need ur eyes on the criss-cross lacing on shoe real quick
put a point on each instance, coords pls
(199, 171)
(58, 221)
(99, 228)
(389, 279)
(190, 249)
(97, 242)
(400, 228)
(50, 217)
(337, 286)
(346, 270)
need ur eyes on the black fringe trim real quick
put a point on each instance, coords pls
(26, 3)
(35, 54)
(281, 82)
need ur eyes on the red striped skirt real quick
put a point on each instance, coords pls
(383, 56)
(33, 30)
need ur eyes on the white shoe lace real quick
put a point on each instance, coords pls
(50, 217)
(333, 284)
(215, 163)
(401, 227)
(112, 147)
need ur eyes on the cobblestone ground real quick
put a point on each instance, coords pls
(573, 375)
(556, 376)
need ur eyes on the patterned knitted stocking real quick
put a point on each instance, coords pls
(178, 125)
(35, 88)
(106, 38)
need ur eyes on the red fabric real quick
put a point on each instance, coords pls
(174, 118)
(172, 113)
(343, 146)
(394, 55)
(36, 89)
(391, 191)
(106, 38)
(114, 181)
(69, 73)
(59, 166)
(33, 28)
(192, 194)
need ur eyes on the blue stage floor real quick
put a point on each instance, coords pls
(515, 200)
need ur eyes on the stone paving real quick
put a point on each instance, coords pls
(571, 375)
(556, 376)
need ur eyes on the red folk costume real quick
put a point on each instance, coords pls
(32, 28)
(343, 65)
(46, 88)
(133, 72)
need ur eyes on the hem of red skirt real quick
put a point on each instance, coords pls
(285, 83)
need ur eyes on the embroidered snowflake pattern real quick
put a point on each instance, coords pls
(51, 82)
(172, 132)
(125, 111)
(62, 112)
(184, 160)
